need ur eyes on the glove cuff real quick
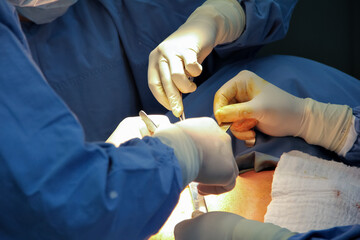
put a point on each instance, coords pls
(184, 148)
(325, 124)
(227, 15)
(254, 230)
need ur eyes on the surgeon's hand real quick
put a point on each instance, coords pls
(218, 169)
(204, 152)
(179, 57)
(223, 225)
(134, 127)
(248, 100)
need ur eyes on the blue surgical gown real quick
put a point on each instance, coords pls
(59, 186)
(96, 55)
(53, 184)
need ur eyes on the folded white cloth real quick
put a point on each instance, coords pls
(310, 193)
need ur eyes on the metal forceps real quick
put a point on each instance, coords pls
(198, 200)
(248, 143)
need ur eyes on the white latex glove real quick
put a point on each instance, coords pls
(134, 127)
(180, 55)
(204, 153)
(249, 100)
(229, 226)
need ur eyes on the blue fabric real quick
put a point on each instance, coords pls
(266, 21)
(96, 55)
(336, 233)
(53, 184)
(352, 157)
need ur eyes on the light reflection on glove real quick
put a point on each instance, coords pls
(180, 55)
(229, 226)
(134, 127)
(249, 100)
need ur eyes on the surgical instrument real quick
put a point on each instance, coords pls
(151, 126)
(248, 143)
(198, 200)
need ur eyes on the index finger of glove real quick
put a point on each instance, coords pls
(235, 112)
(172, 92)
(225, 95)
(156, 87)
(241, 88)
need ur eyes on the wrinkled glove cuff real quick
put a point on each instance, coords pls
(325, 124)
(228, 16)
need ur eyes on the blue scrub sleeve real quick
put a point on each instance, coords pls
(266, 21)
(352, 157)
(53, 184)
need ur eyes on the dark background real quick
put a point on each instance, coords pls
(327, 31)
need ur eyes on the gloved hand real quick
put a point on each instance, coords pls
(249, 100)
(180, 55)
(134, 127)
(204, 153)
(229, 226)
